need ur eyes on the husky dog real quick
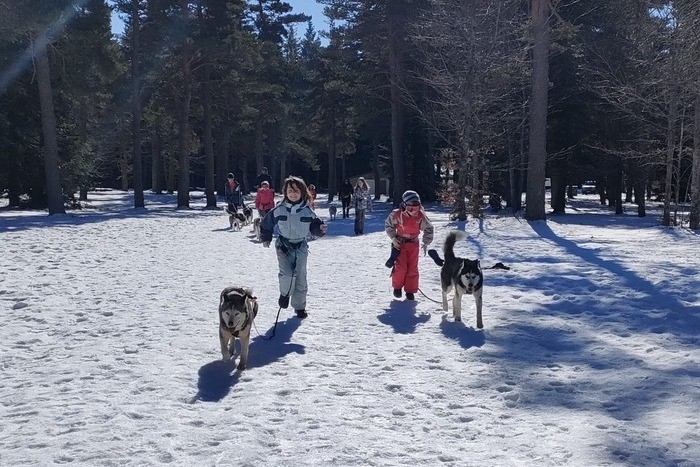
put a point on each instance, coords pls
(462, 274)
(237, 310)
(256, 227)
(235, 219)
(332, 211)
(248, 213)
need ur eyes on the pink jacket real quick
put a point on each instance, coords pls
(264, 199)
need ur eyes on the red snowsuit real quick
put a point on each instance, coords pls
(406, 228)
(264, 200)
(312, 195)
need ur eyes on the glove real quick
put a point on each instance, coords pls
(396, 243)
(266, 244)
(425, 249)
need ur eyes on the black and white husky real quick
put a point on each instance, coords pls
(256, 227)
(237, 310)
(464, 275)
(248, 213)
(235, 219)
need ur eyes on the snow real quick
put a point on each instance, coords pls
(109, 347)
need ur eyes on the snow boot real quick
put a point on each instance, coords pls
(397, 293)
(301, 314)
(410, 296)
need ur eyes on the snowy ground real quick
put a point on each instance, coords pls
(109, 344)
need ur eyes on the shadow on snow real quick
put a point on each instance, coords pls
(217, 378)
(401, 315)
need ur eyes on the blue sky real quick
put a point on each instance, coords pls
(309, 7)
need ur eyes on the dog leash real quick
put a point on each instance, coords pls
(421, 292)
(267, 338)
(279, 310)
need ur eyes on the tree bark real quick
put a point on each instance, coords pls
(259, 156)
(209, 178)
(222, 146)
(378, 189)
(695, 183)
(157, 174)
(558, 190)
(670, 149)
(54, 193)
(332, 167)
(183, 183)
(396, 114)
(136, 106)
(534, 210)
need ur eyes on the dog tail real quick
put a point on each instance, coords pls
(449, 246)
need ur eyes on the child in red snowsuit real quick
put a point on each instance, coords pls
(312, 194)
(404, 226)
(264, 199)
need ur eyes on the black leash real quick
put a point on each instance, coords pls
(267, 338)
(279, 310)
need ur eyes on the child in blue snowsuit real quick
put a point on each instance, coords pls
(294, 220)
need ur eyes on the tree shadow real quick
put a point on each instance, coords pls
(401, 315)
(686, 318)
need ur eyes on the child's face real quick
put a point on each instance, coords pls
(293, 193)
(412, 208)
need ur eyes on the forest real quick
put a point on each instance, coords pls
(469, 102)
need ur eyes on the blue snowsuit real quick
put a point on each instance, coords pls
(294, 222)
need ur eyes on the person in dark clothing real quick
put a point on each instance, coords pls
(263, 177)
(232, 191)
(346, 192)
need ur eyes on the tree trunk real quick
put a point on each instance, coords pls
(476, 189)
(222, 147)
(639, 184)
(670, 149)
(209, 178)
(136, 106)
(183, 183)
(157, 175)
(332, 166)
(616, 188)
(259, 159)
(170, 162)
(396, 114)
(534, 210)
(378, 189)
(695, 184)
(54, 193)
(558, 190)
